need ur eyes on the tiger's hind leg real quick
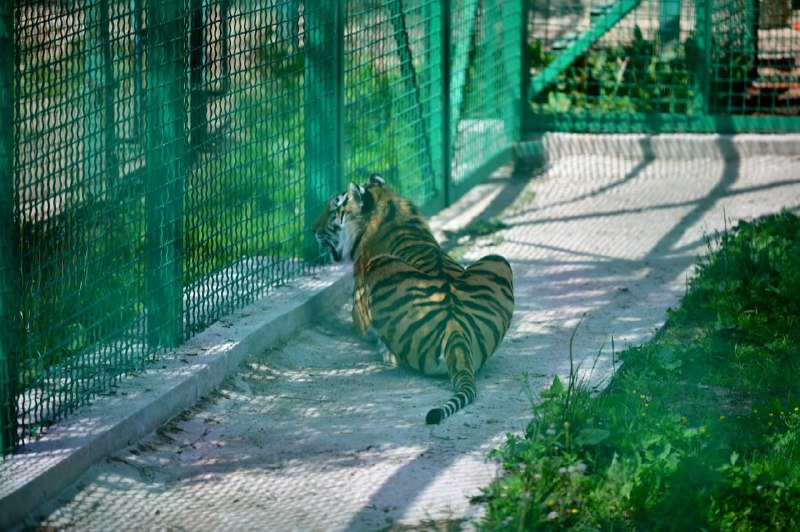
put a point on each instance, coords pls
(486, 295)
(409, 311)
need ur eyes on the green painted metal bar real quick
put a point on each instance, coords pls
(411, 87)
(514, 41)
(462, 43)
(565, 59)
(447, 131)
(9, 270)
(324, 110)
(166, 150)
(701, 56)
(100, 164)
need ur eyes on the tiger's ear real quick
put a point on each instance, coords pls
(376, 179)
(355, 193)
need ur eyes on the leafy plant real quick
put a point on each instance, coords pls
(635, 77)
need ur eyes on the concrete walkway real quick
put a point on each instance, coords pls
(317, 434)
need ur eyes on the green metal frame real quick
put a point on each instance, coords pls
(9, 268)
(324, 104)
(166, 146)
(611, 122)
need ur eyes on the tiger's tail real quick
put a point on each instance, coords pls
(458, 356)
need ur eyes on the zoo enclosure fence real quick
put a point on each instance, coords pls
(161, 160)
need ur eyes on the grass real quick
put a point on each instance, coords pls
(697, 430)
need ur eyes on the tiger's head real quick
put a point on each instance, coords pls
(341, 223)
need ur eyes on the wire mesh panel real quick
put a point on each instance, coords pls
(246, 182)
(79, 211)
(663, 65)
(167, 158)
(485, 89)
(755, 45)
(391, 95)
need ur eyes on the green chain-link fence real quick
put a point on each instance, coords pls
(160, 160)
(664, 65)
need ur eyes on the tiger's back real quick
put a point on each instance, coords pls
(429, 311)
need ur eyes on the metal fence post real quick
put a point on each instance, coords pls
(447, 127)
(166, 152)
(9, 283)
(702, 56)
(99, 139)
(515, 15)
(323, 87)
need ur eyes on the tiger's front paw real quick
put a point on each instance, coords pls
(371, 336)
(387, 356)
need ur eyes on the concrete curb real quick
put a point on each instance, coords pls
(554, 146)
(46, 466)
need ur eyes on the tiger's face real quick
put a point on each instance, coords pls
(342, 220)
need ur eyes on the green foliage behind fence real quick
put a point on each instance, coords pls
(161, 161)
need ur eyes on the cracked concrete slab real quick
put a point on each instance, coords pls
(318, 434)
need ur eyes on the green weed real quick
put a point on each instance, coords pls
(636, 77)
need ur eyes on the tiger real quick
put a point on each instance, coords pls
(428, 311)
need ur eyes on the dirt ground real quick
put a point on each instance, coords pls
(318, 434)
